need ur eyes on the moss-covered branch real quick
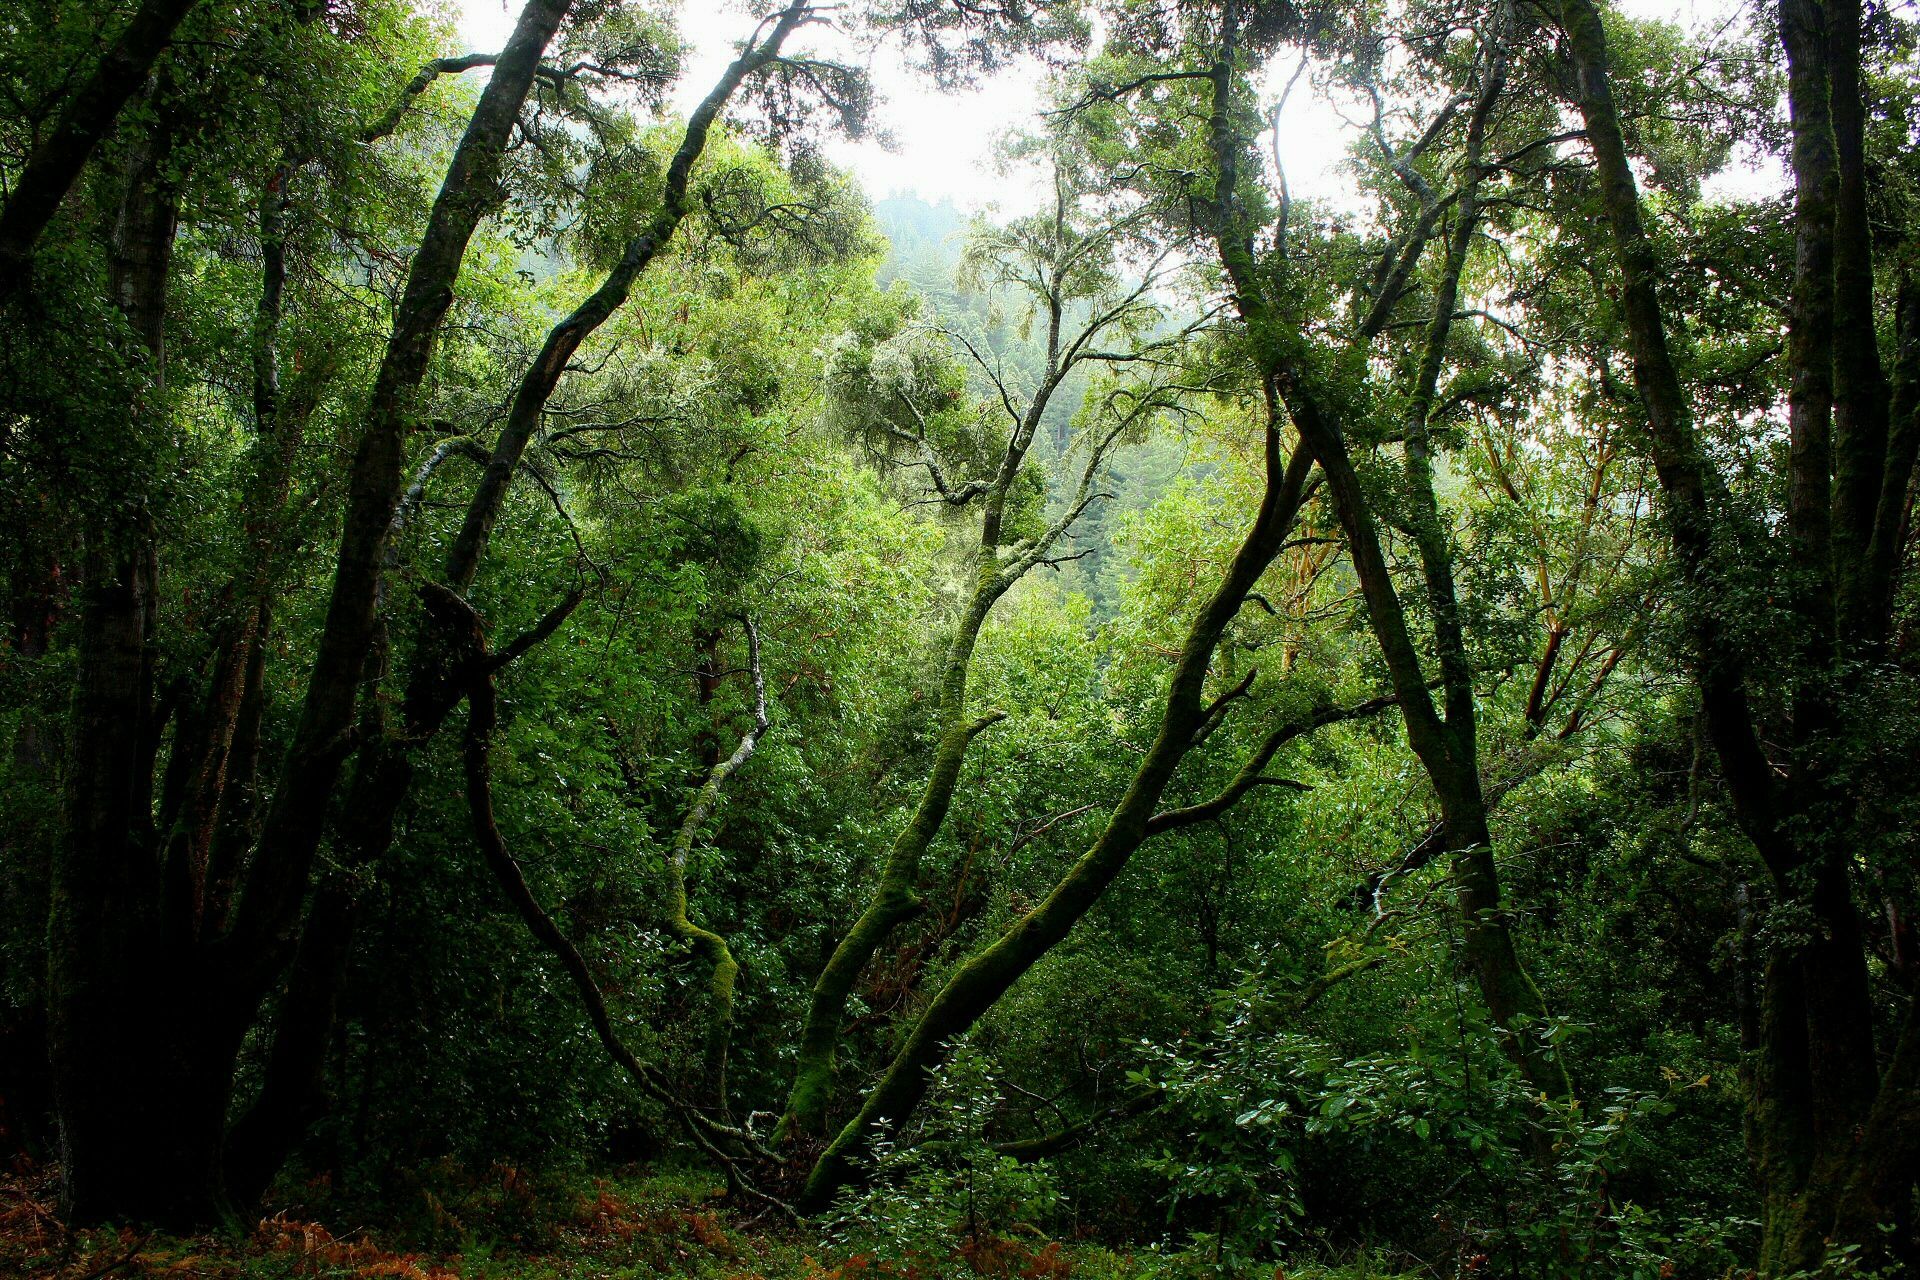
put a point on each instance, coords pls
(708, 945)
(722, 1142)
(983, 979)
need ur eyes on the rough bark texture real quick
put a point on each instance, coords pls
(139, 1119)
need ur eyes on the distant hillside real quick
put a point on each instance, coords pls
(925, 238)
(926, 242)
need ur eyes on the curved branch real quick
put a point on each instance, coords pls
(710, 946)
(482, 719)
(538, 383)
(1253, 773)
(981, 980)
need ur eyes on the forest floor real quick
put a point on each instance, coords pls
(640, 1225)
(632, 1226)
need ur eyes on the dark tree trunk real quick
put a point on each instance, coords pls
(986, 976)
(383, 770)
(125, 1083)
(1446, 746)
(1831, 1132)
(148, 1011)
(266, 918)
(56, 162)
(293, 1092)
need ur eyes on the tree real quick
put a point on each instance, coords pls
(1060, 267)
(1314, 381)
(143, 1033)
(1830, 1132)
(214, 906)
(533, 640)
(83, 121)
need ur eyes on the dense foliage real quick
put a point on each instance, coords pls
(1175, 730)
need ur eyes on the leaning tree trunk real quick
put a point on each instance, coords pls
(265, 925)
(996, 568)
(978, 983)
(383, 770)
(55, 164)
(895, 899)
(1446, 747)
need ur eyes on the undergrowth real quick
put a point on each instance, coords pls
(506, 1225)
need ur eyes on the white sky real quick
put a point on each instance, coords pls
(943, 142)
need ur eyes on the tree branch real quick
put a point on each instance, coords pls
(1253, 772)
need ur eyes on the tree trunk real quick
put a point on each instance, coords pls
(983, 979)
(293, 1091)
(55, 164)
(266, 919)
(142, 1133)
(894, 900)
(130, 1091)
(1831, 1135)
(146, 1018)
(1446, 747)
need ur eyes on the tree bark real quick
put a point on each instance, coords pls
(132, 1100)
(148, 1019)
(984, 978)
(383, 772)
(1689, 487)
(266, 918)
(56, 162)
(1828, 1131)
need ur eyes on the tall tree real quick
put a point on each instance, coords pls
(1832, 1130)
(1337, 409)
(148, 1014)
(1060, 268)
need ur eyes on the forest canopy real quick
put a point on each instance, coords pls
(586, 694)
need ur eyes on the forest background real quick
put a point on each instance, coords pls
(584, 696)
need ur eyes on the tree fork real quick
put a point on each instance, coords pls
(981, 980)
(265, 920)
(1445, 746)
